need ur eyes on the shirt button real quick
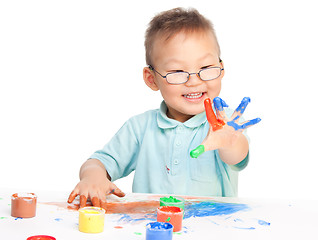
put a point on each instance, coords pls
(178, 143)
(176, 161)
(179, 129)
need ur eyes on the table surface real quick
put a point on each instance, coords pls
(205, 218)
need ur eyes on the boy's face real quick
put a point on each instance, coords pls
(188, 52)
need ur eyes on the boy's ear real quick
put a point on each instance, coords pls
(149, 79)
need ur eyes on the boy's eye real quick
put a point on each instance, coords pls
(206, 66)
(174, 71)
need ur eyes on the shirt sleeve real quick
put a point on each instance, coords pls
(241, 165)
(118, 155)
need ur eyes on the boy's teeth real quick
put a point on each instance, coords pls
(193, 95)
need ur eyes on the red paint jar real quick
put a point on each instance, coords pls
(41, 237)
(23, 205)
(171, 214)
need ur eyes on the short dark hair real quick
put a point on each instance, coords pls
(171, 22)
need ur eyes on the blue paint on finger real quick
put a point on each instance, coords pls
(219, 103)
(249, 123)
(241, 108)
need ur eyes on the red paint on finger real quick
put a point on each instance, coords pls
(95, 202)
(215, 123)
(83, 200)
(72, 197)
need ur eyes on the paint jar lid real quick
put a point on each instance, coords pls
(41, 237)
(159, 226)
(92, 210)
(170, 209)
(24, 195)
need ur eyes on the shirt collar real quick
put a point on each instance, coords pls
(165, 122)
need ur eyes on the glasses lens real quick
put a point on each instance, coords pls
(210, 73)
(177, 77)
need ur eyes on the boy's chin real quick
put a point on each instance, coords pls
(194, 112)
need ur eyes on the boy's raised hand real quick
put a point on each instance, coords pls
(94, 185)
(223, 131)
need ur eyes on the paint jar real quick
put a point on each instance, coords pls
(159, 231)
(171, 214)
(41, 237)
(172, 201)
(23, 205)
(91, 219)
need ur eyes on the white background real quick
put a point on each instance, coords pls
(71, 75)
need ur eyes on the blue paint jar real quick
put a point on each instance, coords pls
(159, 231)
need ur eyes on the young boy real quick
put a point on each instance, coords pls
(183, 58)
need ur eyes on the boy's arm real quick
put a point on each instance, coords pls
(95, 183)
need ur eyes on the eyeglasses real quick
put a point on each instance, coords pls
(180, 77)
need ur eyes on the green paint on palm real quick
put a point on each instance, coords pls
(197, 152)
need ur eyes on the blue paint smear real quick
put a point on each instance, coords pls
(263, 223)
(241, 108)
(205, 209)
(58, 219)
(193, 209)
(249, 123)
(128, 219)
(219, 103)
(250, 228)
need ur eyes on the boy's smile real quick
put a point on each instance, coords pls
(184, 52)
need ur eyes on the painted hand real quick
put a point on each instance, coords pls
(223, 131)
(96, 191)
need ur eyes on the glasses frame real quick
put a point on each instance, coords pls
(189, 74)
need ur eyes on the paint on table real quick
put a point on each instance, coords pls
(23, 205)
(91, 219)
(159, 231)
(135, 209)
(171, 214)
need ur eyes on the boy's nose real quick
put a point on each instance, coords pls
(194, 79)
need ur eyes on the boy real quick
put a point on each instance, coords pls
(183, 58)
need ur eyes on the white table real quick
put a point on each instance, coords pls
(205, 218)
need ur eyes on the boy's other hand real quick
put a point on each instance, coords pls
(96, 191)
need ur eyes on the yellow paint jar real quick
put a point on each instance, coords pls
(91, 219)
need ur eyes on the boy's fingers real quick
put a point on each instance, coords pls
(197, 151)
(242, 126)
(102, 201)
(83, 200)
(240, 109)
(250, 123)
(72, 196)
(103, 204)
(219, 105)
(116, 191)
(215, 123)
(95, 201)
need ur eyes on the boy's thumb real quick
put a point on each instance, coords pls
(197, 151)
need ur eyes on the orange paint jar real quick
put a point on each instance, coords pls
(171, 214)
(23, 205)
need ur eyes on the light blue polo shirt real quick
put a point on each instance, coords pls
(158, 149)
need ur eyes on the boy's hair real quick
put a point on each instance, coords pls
(171, 22)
